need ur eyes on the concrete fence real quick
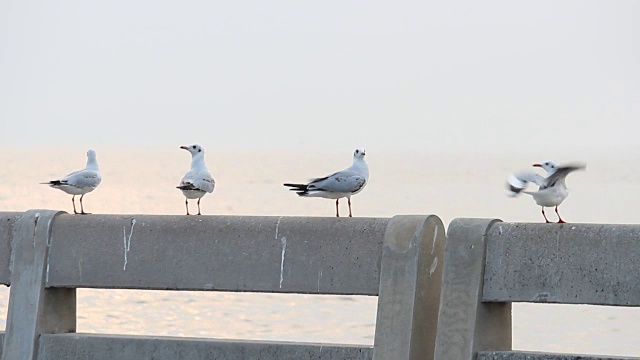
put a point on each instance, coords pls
(435, 301)
(45, 255)
(490, 264)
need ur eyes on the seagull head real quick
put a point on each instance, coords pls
(548, 166)
(92, 161)
(194, 149)
(359, 153)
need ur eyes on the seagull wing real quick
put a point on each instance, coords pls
(202, 181)
(340, 182)
(519, 181)
(82, 179)
(561, 173)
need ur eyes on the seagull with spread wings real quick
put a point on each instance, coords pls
(552, 188)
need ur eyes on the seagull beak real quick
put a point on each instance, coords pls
(184, 147)
(537, 165)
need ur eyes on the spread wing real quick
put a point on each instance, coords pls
(519, 181)
(561, 173)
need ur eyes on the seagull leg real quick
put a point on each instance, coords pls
(199, 206)
(82, 207)
(337, 212)
(73, 201)
(545, 216)
(349, 202)
(186, 204)
(560, 221)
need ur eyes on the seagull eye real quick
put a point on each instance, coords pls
(199, 150)
(194, 146)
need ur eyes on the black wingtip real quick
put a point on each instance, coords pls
(52, 182)
(296, 187)
(513, 189)
(300, 189)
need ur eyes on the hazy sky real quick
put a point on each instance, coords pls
(382, 74)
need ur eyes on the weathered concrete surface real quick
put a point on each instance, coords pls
(7, 219)
(466, 325)
(229, 253)
(508, 355)
(570, 263)
(34, 310)
(101, 347)
(410, 279)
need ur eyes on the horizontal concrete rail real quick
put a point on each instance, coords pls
(530, 355)
(569, 264)
(53, 253)
(7, 220)
(101, 347)
(227, 253)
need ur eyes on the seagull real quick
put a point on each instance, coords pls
(80, 182)
(553, 189)
(345, 183)
(197, 181)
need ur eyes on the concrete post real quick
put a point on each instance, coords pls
(409, 296)
(34, 309)
(7, 221)
(467, 325)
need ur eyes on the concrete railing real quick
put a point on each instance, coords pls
(426, 310)
(45, 255)
(490, 264)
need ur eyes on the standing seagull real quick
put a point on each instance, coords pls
(553, 189)
(197, 181)
(80, 182)
(342, 184)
